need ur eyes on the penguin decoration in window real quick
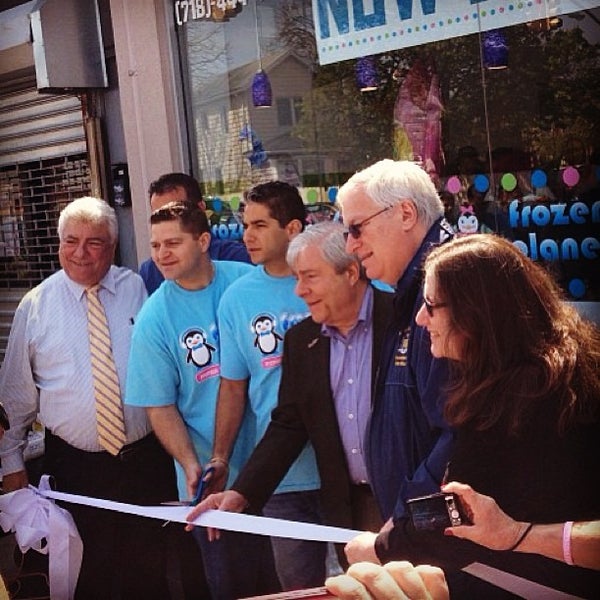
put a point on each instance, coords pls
(467, 222)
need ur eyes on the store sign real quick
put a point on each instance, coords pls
(567, 227)
(352, 28)
(564, 235)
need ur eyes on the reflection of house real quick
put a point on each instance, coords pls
(226, 120)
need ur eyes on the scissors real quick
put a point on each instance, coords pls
(205, 477)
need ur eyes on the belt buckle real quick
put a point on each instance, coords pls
(124, 451)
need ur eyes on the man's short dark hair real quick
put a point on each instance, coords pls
(169, 181)
(192, 219)
(282, 199)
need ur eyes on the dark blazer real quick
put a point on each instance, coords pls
(306, 412)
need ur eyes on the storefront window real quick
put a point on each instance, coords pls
(506, 119)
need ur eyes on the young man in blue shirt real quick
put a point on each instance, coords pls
(174, 370)
(254, 315)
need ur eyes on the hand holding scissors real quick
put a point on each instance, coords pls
(203, 481)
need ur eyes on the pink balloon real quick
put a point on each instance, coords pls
(571, 176)
(453, 185)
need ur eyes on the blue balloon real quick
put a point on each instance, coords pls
(332, 194)
(217, 205)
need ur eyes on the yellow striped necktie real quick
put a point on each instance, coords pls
(107, 392)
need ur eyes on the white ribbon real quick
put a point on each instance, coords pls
(33, 516)
(219, 519)
(40, 525)
(519, 586)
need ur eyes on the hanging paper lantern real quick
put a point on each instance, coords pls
(367, 78)
(495, 50)
(262, 95)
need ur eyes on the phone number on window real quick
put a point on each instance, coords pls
(203, 9)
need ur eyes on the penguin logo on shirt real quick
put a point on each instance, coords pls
(266, 338)
(199, 351)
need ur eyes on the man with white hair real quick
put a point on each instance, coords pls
(66, 360)
(393, 217)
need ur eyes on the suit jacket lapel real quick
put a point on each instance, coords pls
(318, 353)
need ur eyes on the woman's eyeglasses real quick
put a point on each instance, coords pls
(429, 306)
(355, 230)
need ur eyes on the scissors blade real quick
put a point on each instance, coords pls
(204, 479)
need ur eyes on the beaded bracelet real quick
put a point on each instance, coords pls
(566, 542)
(521, 537)
(217, 459)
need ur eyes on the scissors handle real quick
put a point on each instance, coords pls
(202, 485)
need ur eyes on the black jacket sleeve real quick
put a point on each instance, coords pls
(281, 444)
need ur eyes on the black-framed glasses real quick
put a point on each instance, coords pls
(355, 230)
(430, 306)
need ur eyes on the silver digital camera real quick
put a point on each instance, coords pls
(436, 511)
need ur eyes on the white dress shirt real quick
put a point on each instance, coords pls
(47, 364)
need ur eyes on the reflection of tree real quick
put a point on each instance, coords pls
(549, 96)
(352, 127)
(297, 30)
(207, 66)
(568, 126)
(206, 52)
(336, 121)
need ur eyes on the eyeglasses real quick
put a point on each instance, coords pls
(429, 306)
(355, 230)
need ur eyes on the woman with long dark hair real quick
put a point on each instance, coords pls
(524, 398)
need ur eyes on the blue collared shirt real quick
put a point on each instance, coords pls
(350, 374)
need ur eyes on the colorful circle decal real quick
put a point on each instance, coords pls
(571, 176)
(312, 196)
(538, 179)
(576, 288)
(481, 183)
(508, 182)
(453, 185)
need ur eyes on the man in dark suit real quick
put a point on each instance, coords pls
(325, 389)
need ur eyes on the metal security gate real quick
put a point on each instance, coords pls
(43, 166)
